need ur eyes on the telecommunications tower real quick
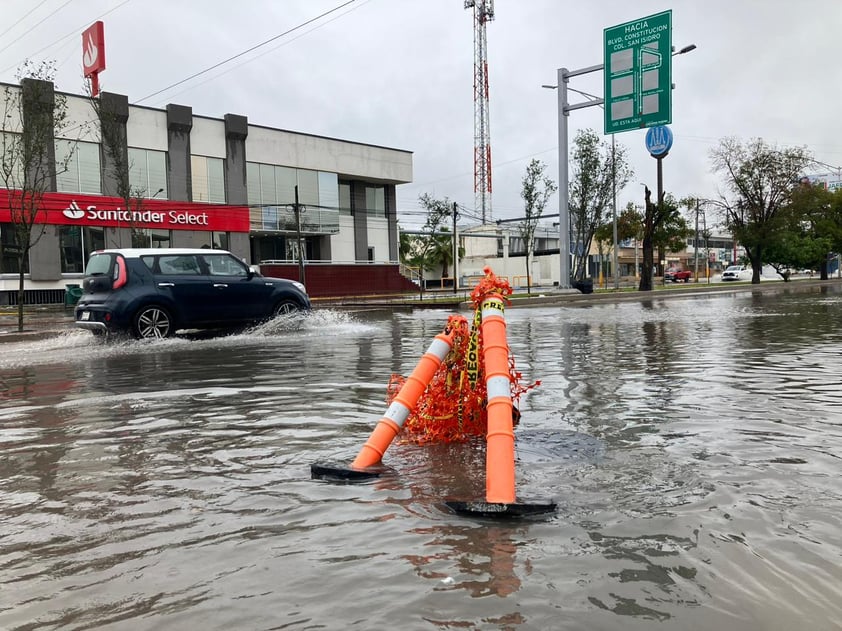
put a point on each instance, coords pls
(483, 12)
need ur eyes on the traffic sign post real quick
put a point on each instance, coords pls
(638, 73)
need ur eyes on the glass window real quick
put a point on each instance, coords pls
(150, 238)
(220, 240)
(9, 250)
(180, 265)
(93, 239)
(208, 179)
(268, 195)
(345, 198)
(72, 254)
(224, 265)
(253, 183)
(329, 190)
(285, 181)
(11, 160)
(148, 173)
(77, 244)
(375, 200)
(216, 240)
(308, 188)
(78, 167)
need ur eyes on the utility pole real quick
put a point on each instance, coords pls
(297, 208)
(696, 244)
(455, 251)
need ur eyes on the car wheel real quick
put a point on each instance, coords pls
(152, 322)
(285, 307)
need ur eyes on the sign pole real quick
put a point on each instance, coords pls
(563, 184)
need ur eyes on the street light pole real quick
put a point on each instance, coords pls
(615, 263)
(563, 185)
(564, 109)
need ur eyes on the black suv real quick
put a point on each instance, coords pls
(151, 293)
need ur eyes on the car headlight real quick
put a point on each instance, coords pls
(300, 286)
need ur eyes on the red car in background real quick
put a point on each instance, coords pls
(675, 275)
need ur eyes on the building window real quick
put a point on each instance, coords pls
(78, 167)
(77, 243)
(216, 240)
(10, 160)
(371, 254)
(345, 207)
(208, 179)
(328, 191)
(10, 250)
(375, 200)
(270, 185)
(148, 173)
(151, 238)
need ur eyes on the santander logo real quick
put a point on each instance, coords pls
(73, 211)
(90, 53)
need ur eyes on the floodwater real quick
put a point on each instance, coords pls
(693, 446)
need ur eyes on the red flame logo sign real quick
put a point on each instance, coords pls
(93, 49)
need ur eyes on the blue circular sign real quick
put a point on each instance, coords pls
(658, 141)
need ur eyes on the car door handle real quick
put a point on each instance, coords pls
(220, 285)
(166, 284)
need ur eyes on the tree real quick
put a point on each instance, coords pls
(760, 179)
(112, 133)
(809, 230)
(672, 230)
(427, 249)
(536, 192)
(598, 169)
(34, 115)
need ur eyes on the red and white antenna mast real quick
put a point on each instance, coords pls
(483, 12)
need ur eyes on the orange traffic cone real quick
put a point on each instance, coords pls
(500, 455)
(395, 416)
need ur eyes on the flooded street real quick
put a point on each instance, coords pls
(693, 446)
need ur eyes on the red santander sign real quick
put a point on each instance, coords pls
(93, 49)
(93, 54)
(71, 209)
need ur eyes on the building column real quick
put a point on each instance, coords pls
(392, 221)
(360, 214)
(236, 189)
(38, 102)
(113, 116)
(180, 175)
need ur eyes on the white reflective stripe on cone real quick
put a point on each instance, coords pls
(397, 412)
(498, 387)
(439, 348)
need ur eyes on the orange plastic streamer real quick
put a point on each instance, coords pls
(453, 407)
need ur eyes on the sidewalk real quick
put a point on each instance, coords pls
(39, 322)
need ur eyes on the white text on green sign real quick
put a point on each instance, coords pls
(638, 77)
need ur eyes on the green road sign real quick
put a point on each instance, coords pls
(638, 73)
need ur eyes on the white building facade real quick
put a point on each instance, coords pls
(197, 181)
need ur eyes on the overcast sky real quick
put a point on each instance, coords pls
(399, 73)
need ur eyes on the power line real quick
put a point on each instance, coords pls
(256, 57)
(36, 25)
(245, 52)
(25, 15)
(74, 33)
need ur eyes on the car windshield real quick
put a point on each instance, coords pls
(734, 268)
